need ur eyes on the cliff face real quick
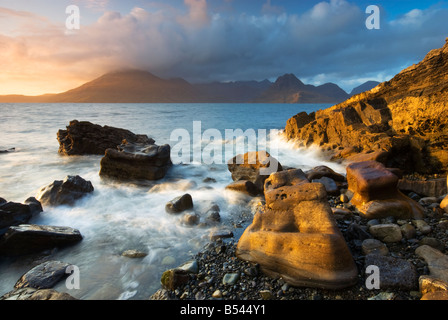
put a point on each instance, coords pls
(402, 122)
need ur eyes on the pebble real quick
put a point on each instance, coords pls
(388, 232)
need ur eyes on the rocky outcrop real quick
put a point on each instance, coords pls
(65, 192)
(296, 237)
(28, 238)
(255, 166)
(136, 161)
(401, 122)
(376, 194)
(13, 213)
(83, 137)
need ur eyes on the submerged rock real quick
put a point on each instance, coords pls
(179, 204)
(65, 192)
(29, 238)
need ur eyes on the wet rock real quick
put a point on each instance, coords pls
(136, 161)
(230, 278)
(65, 192)
(43, 276)
(190, 219)
(253, 166)
(376, 194)
(190, 266)
(7, 150)
(220, 234)
(212, 214)
(174, 278)
(13, 214)
(26, 238)
(394, 272)
(180, 204)
(134, 254)
(83, 137)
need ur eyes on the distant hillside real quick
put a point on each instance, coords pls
(136, 86)
(366, 86)
(289, 89)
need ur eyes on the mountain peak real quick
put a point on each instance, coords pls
(287, 81)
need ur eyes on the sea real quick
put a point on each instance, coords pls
(120, 216)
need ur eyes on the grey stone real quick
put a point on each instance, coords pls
(394, 272)
(388, 233)
(43, 276)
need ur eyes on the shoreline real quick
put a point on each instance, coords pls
(217, 259)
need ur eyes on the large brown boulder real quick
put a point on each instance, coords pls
(401, 122)
(376, 194)
(132, 161)
(83, 137)
(254, 166)
(296, 237)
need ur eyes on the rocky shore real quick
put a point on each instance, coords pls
(407, 260)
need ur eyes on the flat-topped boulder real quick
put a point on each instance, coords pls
(254, 166)
(376, 194)
(83, 137)
(31, 238)
(65, 192)
(136, 161)
(296, 237)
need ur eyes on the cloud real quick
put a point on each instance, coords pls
(328, 42)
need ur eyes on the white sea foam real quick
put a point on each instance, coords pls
(121, 216)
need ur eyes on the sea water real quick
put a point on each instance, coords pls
(119, 216)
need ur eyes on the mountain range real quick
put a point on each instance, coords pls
(137, 86)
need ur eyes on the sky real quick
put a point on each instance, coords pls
(213, 40)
